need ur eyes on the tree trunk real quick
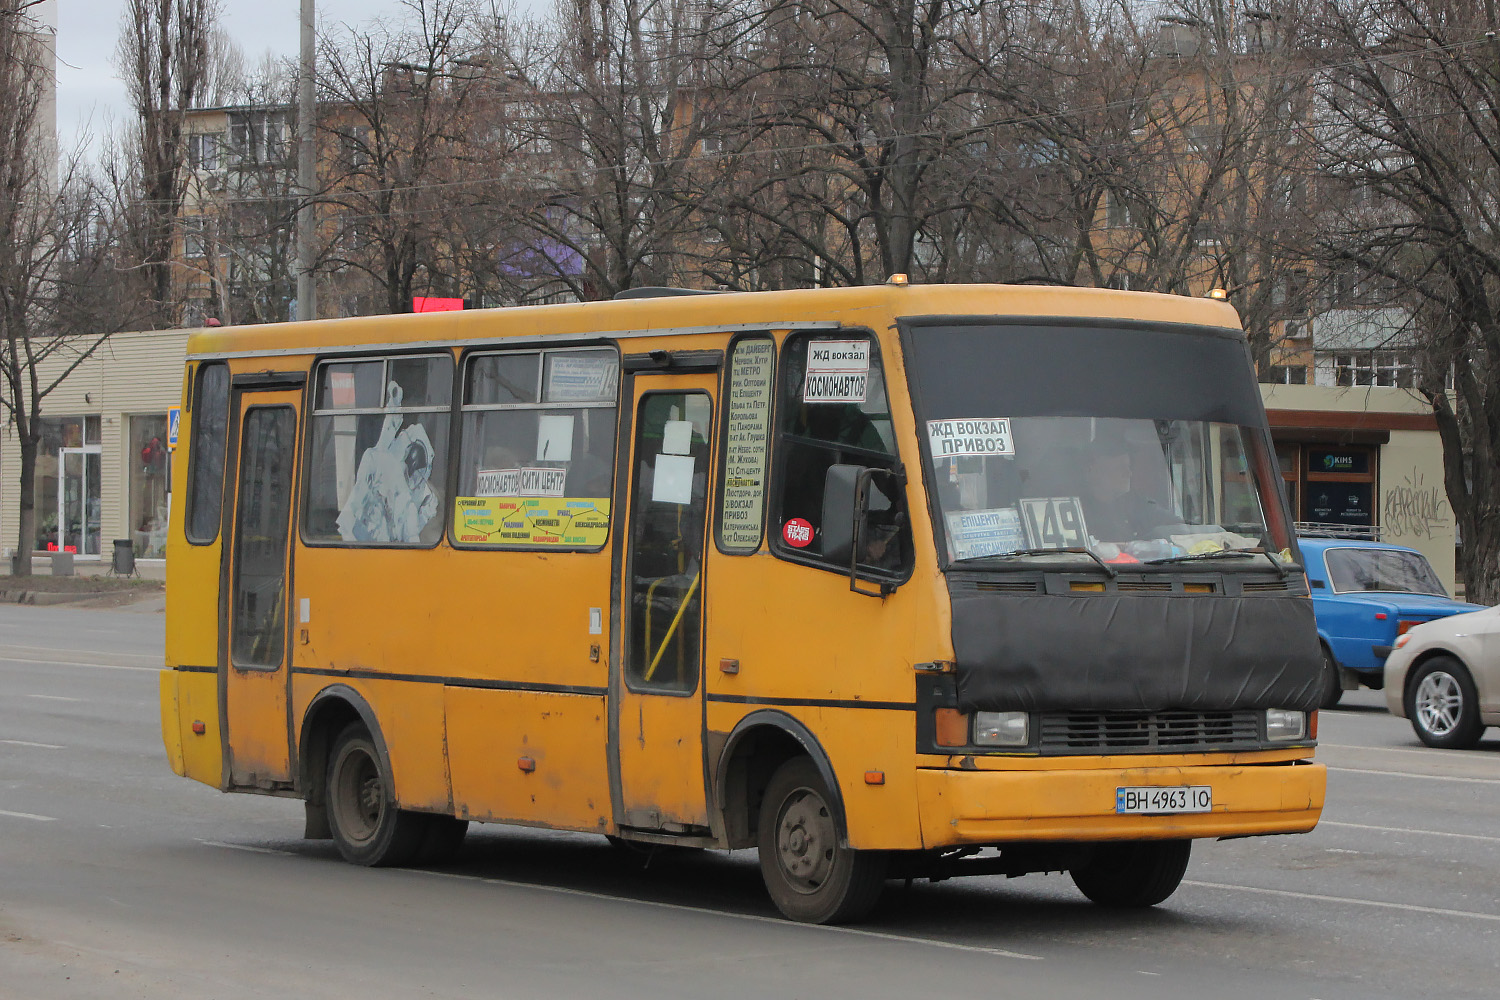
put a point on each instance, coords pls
(26, 523)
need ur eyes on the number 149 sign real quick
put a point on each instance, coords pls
(1055, 523)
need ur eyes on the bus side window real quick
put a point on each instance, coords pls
(379, 455)
(832, 411)
(537, 449)
(210, 424)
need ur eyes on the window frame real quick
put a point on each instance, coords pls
(768, 487)
(461, 409)
(773, 513)
(195, 401)
(309, 432)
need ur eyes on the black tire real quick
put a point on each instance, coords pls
(1443, 705)
(366, 825)
(810, 876)
(442, 839)
(1137, 874)
(1333, 690)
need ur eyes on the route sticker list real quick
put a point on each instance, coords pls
(745, 444)
(581, 522)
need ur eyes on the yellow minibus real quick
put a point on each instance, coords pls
(886, 582)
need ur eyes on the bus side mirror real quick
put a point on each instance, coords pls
(847, 534)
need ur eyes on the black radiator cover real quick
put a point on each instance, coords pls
(1134, 652)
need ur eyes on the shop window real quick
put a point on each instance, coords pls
(210, 422)
(147, 460)
(536, 459)
(833, 411)
(379, 451)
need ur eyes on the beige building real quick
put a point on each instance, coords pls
(1365, 456)
(104, 463)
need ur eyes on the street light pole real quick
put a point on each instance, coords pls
(307, 168)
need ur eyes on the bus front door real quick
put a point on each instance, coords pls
(657, 727)
(253, 643)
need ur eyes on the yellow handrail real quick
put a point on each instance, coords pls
(672, 629)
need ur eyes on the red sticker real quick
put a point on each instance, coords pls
(797, 532)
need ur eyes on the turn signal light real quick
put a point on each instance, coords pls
(1402, 639)
(952, 727)
(1312, 725)
(1403, 626)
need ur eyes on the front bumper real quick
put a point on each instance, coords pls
(991, 807)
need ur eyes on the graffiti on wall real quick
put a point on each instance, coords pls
(1413, 509)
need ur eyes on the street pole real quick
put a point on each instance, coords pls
(307, 168)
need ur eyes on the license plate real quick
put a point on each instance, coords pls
(1150, 800)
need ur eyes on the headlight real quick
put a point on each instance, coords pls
(1285, 724)
(1001, 729)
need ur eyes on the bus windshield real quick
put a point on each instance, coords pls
(1127, 445)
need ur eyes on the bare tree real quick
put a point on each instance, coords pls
(58, 288)
(171, 57)
(1408, 132)
(397, 99)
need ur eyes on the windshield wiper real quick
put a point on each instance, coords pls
(1109, 570)
(1221, 554)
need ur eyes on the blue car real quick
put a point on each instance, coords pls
(1365, 594)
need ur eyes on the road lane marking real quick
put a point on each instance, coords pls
(53, 697)
(16, 815)
(28, 743)
(1424, 751)
(247, 847)
(679, 907)
(1401, 829)
(1380, 904)
(78, 663)
(1413, 774)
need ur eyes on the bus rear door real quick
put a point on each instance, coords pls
(657, 701)
(253, 649)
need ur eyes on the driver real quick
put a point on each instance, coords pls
(1113, 510)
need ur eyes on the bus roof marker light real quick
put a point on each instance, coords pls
(898, 279)
(1219, 294)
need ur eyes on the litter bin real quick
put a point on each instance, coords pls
(62, 564)
(123, 562)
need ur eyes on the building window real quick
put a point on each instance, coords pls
(148, 462)
(203, 150)
(1390, 368)
(1286, 374)
(259, 138)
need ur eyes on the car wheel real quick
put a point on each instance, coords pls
(367, 827)
(1333, 690)
(1136, 874)
(1443, 706)
(810, 875)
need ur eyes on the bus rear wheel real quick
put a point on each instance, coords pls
(1134, 874)
(366, 825)
(808, 872)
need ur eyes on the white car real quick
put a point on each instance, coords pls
(1445, 677)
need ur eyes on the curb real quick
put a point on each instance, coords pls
(43, 597)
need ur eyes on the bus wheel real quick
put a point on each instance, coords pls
(809, 875)
(1135, 874)
(366, 825)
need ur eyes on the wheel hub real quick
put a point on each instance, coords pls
(1439, 703)
(806, 840)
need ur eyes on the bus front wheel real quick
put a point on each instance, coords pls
(366, 825)
(810, 875)
(1133, 874)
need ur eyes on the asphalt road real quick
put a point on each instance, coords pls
(119, 879)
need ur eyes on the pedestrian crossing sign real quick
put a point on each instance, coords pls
(174, 421)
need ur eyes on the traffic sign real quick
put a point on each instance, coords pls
(174, 421)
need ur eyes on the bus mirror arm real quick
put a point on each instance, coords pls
(846, 508)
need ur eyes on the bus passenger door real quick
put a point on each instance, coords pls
(253, 650)
(658, 691)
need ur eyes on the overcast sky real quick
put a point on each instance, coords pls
(89, 92)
